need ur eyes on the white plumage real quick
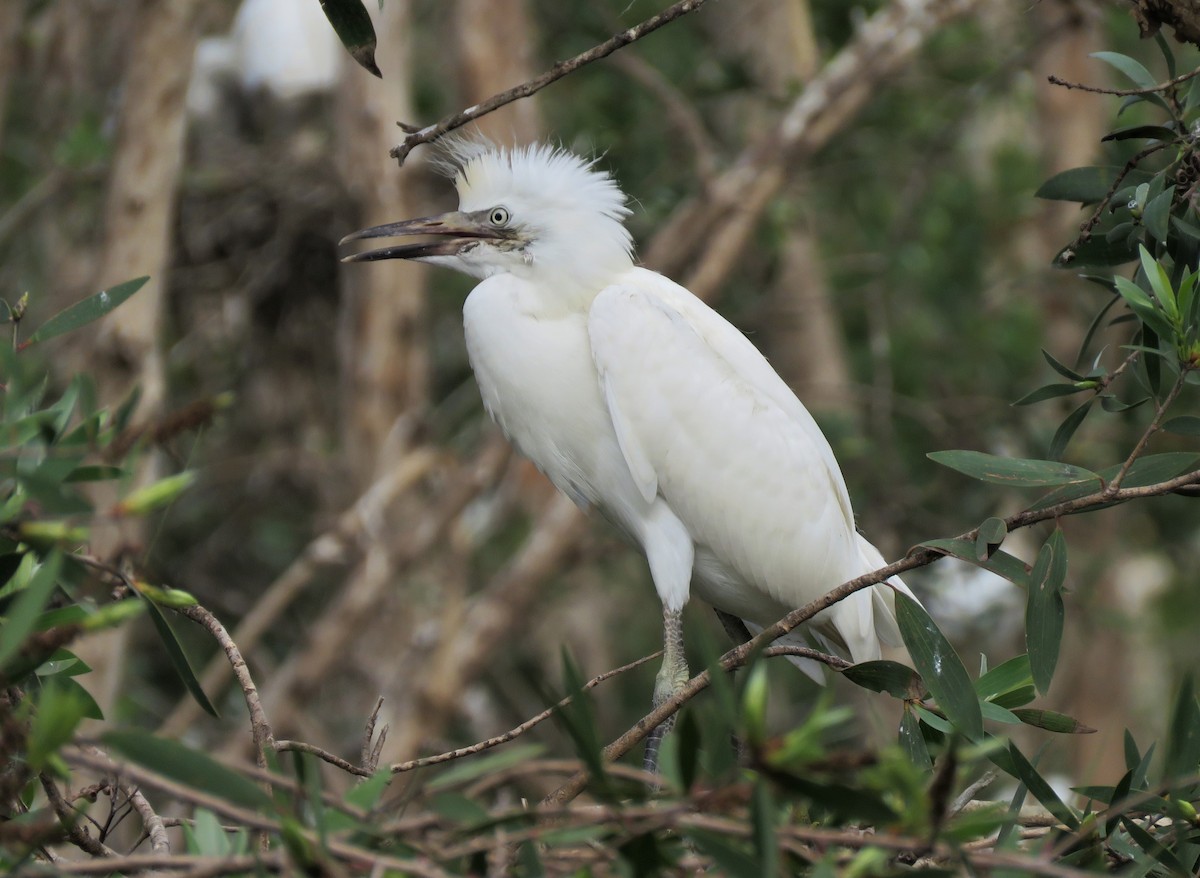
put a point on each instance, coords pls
(636, 398)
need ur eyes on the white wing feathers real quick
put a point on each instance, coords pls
(684, 388)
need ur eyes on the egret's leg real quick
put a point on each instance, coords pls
(671, 677)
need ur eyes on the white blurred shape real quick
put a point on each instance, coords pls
(285, 47)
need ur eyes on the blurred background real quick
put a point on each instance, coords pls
(361, 527)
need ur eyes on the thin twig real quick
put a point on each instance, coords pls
(155, 829)
(1085, 231)
(1126, 92)
(456, 120)
(260, 728)
(371, 748)
(1151, 429)
(68, 816)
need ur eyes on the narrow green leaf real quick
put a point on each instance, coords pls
(940, 667)
(178, 657)
(190, 767)
(998, 714)
(1062, 436)
(1134, 70)
(991, 534)
(1014, 698)
(59, 712)
(1157, 214)
(1085, 185)
(85, 311)
(1142, 132)
(1012, 471)
(1143, 306)
(1184, 425)
(1183, 737)
(1148, 470)
(352, 23)
(1097, 252)
(1001, 562)
(1044, 612)
(1154, 848)
(1052, 721)
(1005, 677)
(912, 742)
(1041, 790)
(1049, 391)
(895, 679)
(91, 710)
(28, 607)
(1061, 368)
(762, 820)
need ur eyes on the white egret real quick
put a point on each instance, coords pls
(636, 398)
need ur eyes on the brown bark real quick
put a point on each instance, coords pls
(496, 39)
(137, 241)
(383, 334)
(805, 341)
(1183, 16)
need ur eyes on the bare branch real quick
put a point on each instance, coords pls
(69, 818)
(1126, 92)
(260, 728)
(432, 132)
(155, 828)
(1151, 429)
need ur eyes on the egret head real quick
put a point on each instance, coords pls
(534, 211)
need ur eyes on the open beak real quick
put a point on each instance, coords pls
(454, 231)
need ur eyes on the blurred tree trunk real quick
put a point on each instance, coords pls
(383, 338)
(138, 221)
(11, 18)
(775, 39)
(494, 52)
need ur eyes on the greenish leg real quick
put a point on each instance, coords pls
(671, 677)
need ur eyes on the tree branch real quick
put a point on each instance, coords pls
(456, 120)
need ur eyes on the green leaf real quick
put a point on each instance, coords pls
(1062, 436)
(940, 667)
(28, 606)
(179, 659)
(366, 795)
(998, 714)
(1005, 677)
(762, 820)
(1049, 391)
(59, 712)
(1134, 70)
(1142, 132)
(991, 534)
(1096, 251)
(1154, 848)
(187, 766)
(1148, 470)
(1143, 306)
(352, 24)
(1001, 562)
(1014, 698)
(85, 311)
(913, 742)
(1183, 739)
(1157, 215)
(1085, 185)
(1060, 368)
(1012, 471)
(1041, 790)
(1052, 721)
(1184, 425)
(1044, 611)
(895, 679)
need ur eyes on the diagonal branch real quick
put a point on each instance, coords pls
(432, 132)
